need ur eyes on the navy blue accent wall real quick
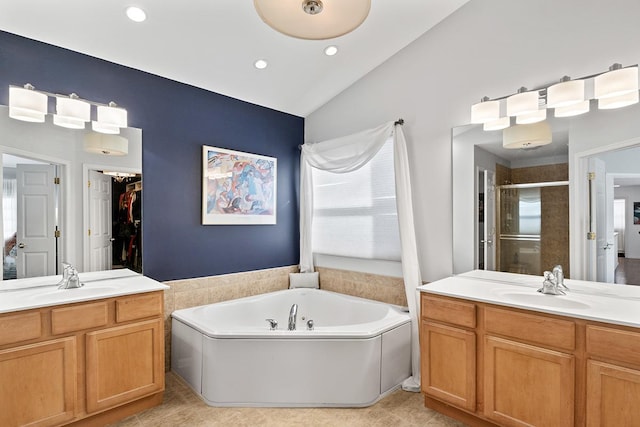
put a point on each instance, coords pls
(176, 120)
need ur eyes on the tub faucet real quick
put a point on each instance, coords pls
(292, 317)
(70, 279)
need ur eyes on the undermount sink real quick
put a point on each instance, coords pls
(537, 298)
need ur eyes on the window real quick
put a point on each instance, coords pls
(355, 213)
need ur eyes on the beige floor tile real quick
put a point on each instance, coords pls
(181, 407)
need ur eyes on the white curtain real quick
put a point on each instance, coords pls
(347, 154)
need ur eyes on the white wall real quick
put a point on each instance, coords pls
(632, 231)
(66, 146)
(488, 47)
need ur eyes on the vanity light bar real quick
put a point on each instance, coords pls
(618, 87)
(30, 105)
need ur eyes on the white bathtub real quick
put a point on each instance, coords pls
(359, 350)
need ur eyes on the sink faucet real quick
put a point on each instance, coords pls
(70, 279)
(292, 317)
(559, 275)
(550, 285)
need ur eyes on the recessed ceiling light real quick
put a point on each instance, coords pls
(331, 50)
(260, 64)
(136, 14)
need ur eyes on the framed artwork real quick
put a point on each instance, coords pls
(237, 187)
(636, 212)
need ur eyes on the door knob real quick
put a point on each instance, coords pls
(21, 245)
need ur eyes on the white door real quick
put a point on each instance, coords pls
(600, 247)
(489, 220)
(100, 238)
(610, 247)
(35, 238)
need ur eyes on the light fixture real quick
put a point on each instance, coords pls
(260, 64)
(136, 14)
(522, 102)
(565, 93)
(71, 112)
(485, 111)
(618, 81)
(313, 19)
(535, 117)
(573, 109)
(110, 119)
(330, 50)
(618, 101)
(527, 136)
(27, 104)
(501, 123)
(119, 176)
(615, 88)
(30, 105)
(108, 145)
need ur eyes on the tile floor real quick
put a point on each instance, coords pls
(181, 407)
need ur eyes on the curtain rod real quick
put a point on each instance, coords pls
(400, 122)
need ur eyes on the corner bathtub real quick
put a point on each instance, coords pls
(359, 350)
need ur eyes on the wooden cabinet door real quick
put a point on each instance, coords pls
(449, 364)
(124, 363)
(526, 385)
(613, 393)
(38, 383)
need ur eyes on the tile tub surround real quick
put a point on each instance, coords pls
(365, 285)
(181, 407)
(187, 293)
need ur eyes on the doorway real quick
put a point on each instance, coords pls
(30, 217)
(114, 220)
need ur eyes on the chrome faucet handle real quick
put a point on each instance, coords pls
(310, 325)
(273, 325)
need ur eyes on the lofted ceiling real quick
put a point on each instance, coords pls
(213, 44)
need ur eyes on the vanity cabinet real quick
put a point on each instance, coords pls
(89, 363)
(493, 365)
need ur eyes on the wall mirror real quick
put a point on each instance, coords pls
(62, 201)
(526, 210)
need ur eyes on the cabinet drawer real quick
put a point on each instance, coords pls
(448, 311)
(139, 307)
(20, 327)
(536, 328)
(615, 344)
(78, 317)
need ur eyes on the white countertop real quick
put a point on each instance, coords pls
(601, 302)
(35, 292)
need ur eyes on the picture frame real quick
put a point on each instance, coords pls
(238, 188)
(636, 213)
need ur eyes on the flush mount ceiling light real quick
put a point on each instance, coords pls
(313, 19)
(260, 64)
(136, 14)
(27, 104)
(527, 136)
(108, 145)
